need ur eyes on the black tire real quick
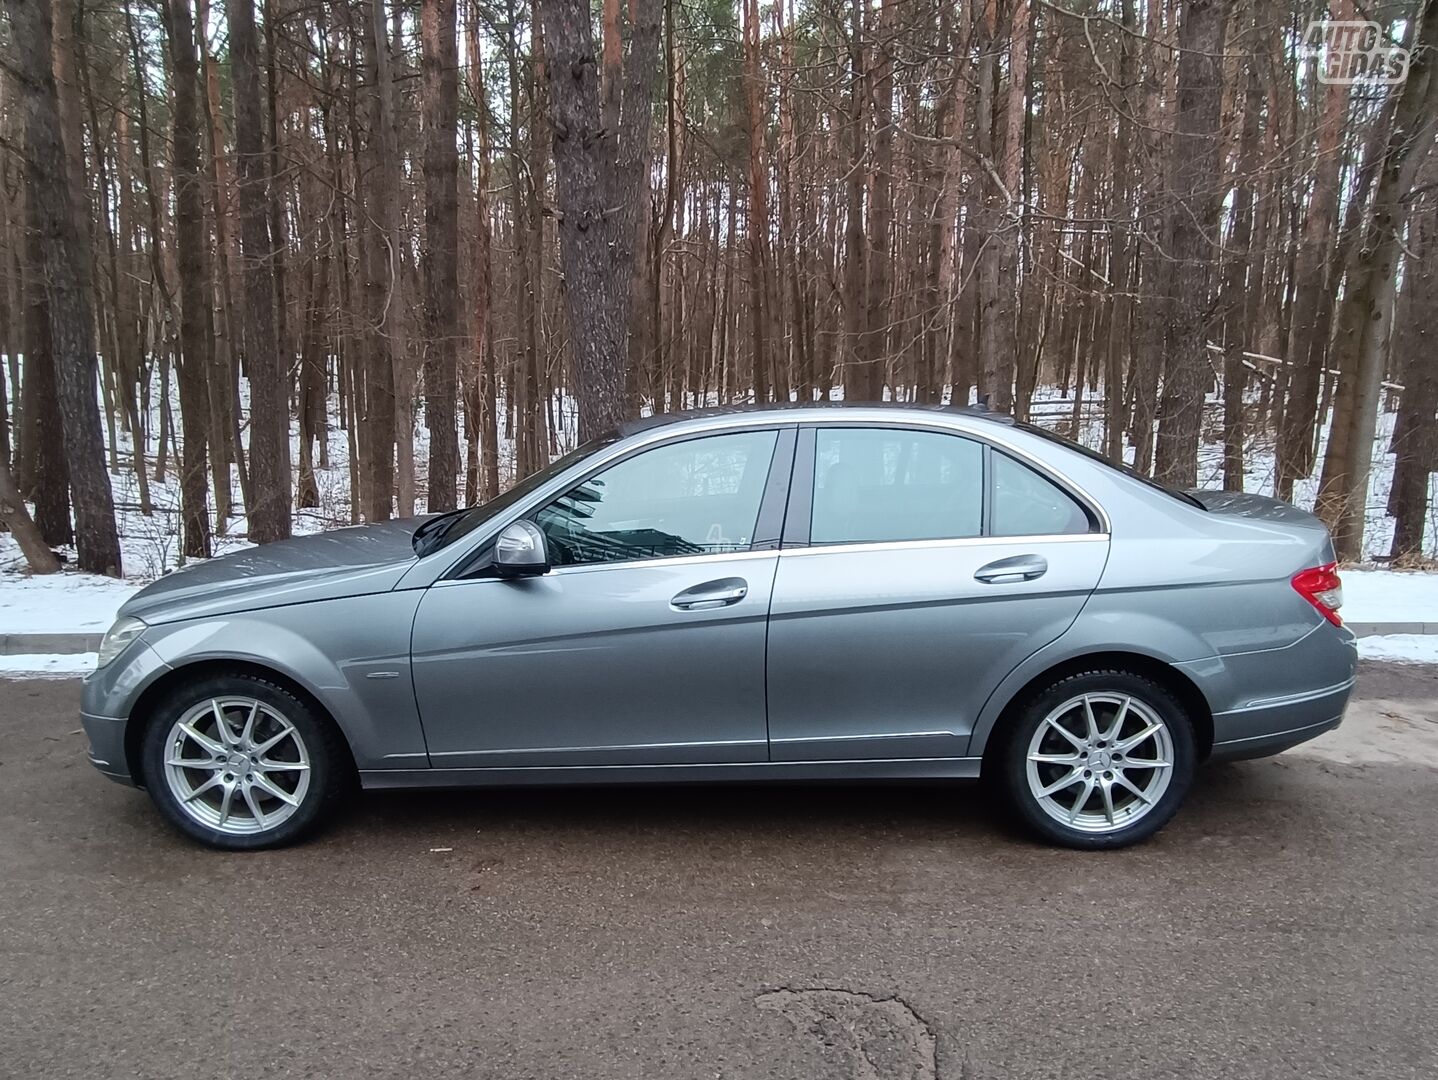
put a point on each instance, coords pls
(329, 773)
(1012, 760)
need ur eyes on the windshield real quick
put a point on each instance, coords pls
(438, 533)
(1127, 470)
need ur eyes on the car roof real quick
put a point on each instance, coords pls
(659, 420)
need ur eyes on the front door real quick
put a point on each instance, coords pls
(644, 645)
(919, 568)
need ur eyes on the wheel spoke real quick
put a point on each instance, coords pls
(1144, 763)
(1120, 778)
(271, 743)
(1078, 743)
(1077, 808)
(1106, 790)
(203, 741)
(1113, 732)
(267, 765)
(225, 801)
(265, 784)
(1066, 781)
(222, 726)
(213, 781)
(190, 763)
(1134, 740)
(248, 734)
(1055, 759)
(1089, 720)
(254, 805)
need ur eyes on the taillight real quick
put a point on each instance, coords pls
(1322, 587)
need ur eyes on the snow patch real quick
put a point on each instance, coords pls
(1400, 648)
(46, 665)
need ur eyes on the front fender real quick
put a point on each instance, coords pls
(351, 654)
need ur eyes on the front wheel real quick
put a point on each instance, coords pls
(1099, 760)
(240, 763)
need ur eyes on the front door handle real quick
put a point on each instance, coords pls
(1014, 568)
(711, 594)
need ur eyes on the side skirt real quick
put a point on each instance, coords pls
(745, 773)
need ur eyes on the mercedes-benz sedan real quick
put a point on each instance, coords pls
(831, 593)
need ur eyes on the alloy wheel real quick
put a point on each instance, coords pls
(237, 765)
(1100, 762)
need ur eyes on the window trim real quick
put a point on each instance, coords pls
(797, 526)
(474, 566)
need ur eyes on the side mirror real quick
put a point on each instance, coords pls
(520, 551)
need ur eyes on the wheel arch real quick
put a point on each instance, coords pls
(167, 683)
(1149, 667)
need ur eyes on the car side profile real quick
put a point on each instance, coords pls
(787, 593)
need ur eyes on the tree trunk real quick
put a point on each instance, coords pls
(17, 520)
(44, 476)
(1415, 442)
(1194, 214)
(269, 512)
(441, 231)
(1308, 341)
(1364, 315)
(62, 241)
(600, 174)
(194, 360)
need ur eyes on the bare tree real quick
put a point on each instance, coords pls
(441, 232)
(269, 512)
(1193, 228)
(599, 171)
(191, 251)
(60, 225)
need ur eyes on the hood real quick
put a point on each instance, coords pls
(1258, 507)
(344, 562)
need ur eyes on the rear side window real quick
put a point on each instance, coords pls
(1028, 504)
(878, 485)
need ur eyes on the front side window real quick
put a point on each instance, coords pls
(696, 497)
(883, 485)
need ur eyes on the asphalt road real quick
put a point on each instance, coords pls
(1283, 926)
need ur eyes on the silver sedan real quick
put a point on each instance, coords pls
(829, 593)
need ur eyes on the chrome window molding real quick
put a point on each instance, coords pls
(448, 562)
(957, 541)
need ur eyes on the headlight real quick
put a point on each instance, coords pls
(117, 637)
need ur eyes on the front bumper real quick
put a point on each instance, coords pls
(107, 700)
(107, 747)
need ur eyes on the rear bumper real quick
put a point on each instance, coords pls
(1271, 727)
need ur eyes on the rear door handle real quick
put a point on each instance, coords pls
(1014, 568)
(711, 594)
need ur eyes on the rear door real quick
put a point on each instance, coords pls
(919, 567)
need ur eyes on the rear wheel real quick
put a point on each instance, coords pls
(1098, 760)
(240, 763)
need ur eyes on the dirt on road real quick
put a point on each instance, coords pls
(1283, 926)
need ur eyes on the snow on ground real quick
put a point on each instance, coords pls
(47, 666)
(61, 603)
(1400, 648)
(1390, 596)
